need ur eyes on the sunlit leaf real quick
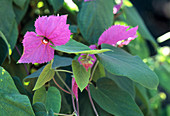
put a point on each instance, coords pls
(80, 74)
(46, 75)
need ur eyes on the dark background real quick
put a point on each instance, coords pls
(156, 15)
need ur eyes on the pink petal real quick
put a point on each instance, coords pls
(41, 25)
(117, 33)
(116, 8)
(54, 28)
(34, 50)
(126, 42)
(75, 88)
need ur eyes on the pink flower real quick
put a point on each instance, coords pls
(49, 30)
(87, 60)
(116, 8)
(118, 33)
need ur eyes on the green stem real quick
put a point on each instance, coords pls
(95, 66)
(64, 71)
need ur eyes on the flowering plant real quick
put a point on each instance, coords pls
(75, 61)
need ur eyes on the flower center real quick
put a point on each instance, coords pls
(45, 41)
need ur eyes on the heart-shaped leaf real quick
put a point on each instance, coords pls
(80, 74)
(46, 75)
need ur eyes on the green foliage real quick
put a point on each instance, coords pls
(120, 83)
(53, 100)
(11, 99)
(20, 3)
(61, 61)
(46, 75)
(121, 63)
(139, 47)
(4, 46)
(56, 4)
(80, 74)
(58, 62)
(123, 82)
(40, 110)
(21, 10)
(76, 47)
(40, 95)
(133, 18)
(99, 72)
(8, 24)
(94, 18)
(114, 100)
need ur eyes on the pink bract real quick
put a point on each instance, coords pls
(88, 65)
(37, 45)
(117, 33)
(75, 88)
(116, 8)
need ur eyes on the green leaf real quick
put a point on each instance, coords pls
(76, 47)
(80, 74)
(56, 4)
(50, 112)
(20, 12)
(19, 85)
(46, 75)
(61, 61)
(16, 69)
(8, 24)
(124, 83)
(58, 62)
(4, 46)
(39, 95)
(122, 63)
(34, 75)
(39, 109)
(53, 100)
(163, 73)
(12, 102)
(73, 28)
(99, 72)
(94, 18)
(86, 108)
(142, 94)
(113, 99)
(139, 47)
(20, 3)
(133, 18)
